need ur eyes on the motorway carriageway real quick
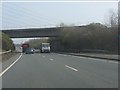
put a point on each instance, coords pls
(52, 70)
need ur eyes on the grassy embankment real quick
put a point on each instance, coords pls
(7, 44)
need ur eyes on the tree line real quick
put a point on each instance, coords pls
(92, 37)
(7, 43)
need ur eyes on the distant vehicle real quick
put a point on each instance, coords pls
(24, 47)
(45, 47)
(29, 51)
(36, 50)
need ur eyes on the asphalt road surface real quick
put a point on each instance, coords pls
(52, 70)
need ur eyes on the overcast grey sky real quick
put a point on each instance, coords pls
(59, 0)
(47, 14)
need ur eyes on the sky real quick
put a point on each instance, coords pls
(50, 14)
(59, 0)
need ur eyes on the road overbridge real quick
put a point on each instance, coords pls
(33, 32)
(36, 32)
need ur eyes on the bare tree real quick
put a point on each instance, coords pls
(119, 13)
(113, 18)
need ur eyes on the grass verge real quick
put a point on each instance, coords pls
(7, 56)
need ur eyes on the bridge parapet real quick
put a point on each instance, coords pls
(34, 32)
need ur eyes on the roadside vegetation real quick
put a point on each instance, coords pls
(94, 37)
(7, 44)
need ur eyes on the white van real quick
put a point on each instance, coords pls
(45, 47)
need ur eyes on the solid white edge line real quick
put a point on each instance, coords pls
(101, 60)
(71, 68)
(10, 66)
(112, 62)
(96, 59)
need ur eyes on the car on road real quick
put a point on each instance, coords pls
(29, 51)
(37, 50)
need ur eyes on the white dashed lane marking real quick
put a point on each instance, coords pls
(71, 68)
(43, 56)
(51, 59)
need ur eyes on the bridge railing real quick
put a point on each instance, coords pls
(5, 52)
